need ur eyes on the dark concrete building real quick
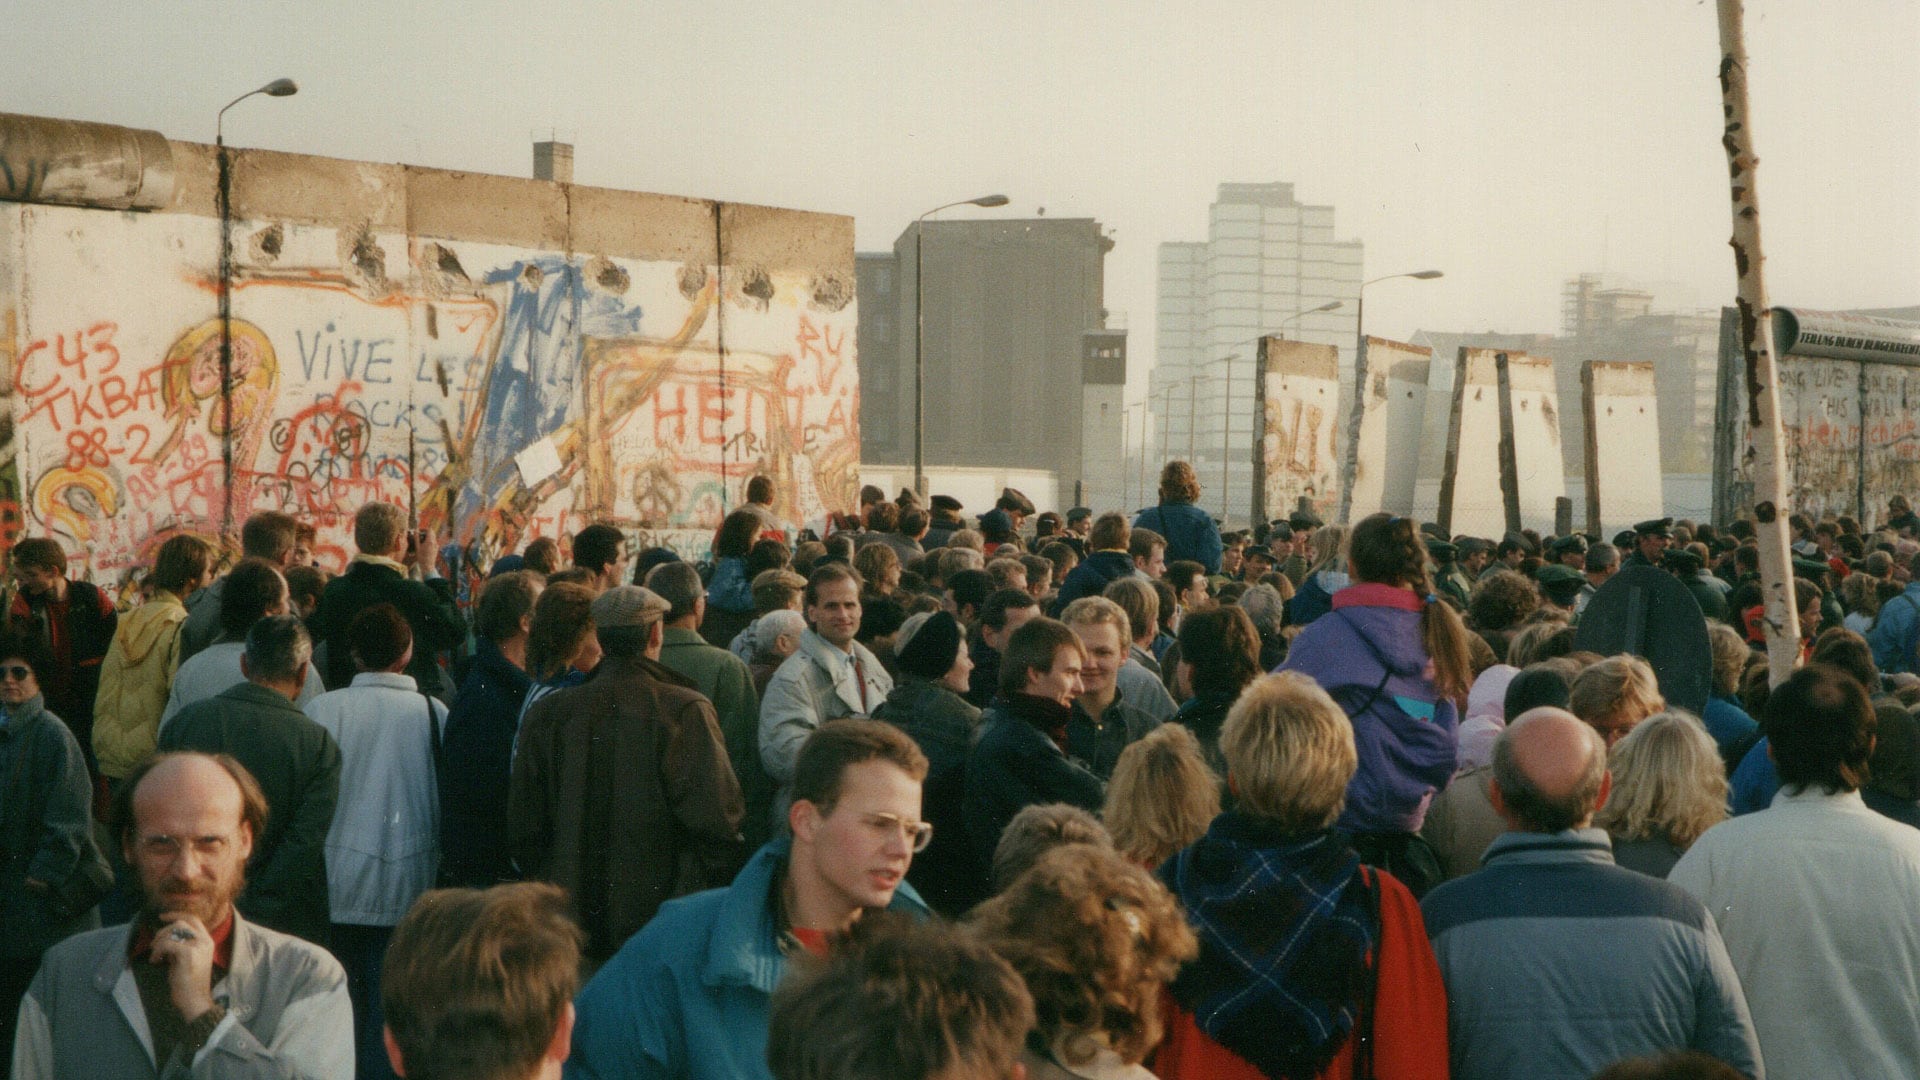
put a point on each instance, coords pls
(1015, 330)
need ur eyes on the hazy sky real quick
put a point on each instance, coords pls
(1511, 144)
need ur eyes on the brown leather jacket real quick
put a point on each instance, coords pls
(622, 794)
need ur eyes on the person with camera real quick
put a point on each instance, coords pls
(398, 568)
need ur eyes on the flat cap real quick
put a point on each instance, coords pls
(628, 605)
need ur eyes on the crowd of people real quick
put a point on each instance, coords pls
(1042, 795)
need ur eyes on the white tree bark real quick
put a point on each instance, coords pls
(1766, 448)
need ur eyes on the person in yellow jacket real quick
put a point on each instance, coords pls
(140, 664)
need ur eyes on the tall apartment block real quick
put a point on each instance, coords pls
(1267, 259)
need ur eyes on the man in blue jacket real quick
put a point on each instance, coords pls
(688, 997)
(1895, 633)
(1108, 562)
(1558, 962)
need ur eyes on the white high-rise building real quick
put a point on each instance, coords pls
(1266, 259)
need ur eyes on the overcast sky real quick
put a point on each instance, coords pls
(1510, 143)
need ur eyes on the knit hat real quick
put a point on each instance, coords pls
(927, 645)
(628, 605)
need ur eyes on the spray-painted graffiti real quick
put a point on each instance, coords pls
(414, 381)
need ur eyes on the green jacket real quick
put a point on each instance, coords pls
(298, 766)
(725, 680)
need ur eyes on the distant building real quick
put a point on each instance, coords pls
(1024, 369)
(1266, 259)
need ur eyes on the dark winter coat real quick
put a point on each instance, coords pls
(942, 724)
(477, 766)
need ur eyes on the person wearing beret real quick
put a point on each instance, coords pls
(945, 522)
(1560, 584)
(930, 652)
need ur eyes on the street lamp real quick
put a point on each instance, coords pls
(1360, 382)
(920, 335)
(276, 88)
(1331, 305)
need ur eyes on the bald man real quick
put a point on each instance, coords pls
(1559, 963)
(189, 984)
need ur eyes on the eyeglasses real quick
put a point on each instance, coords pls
(918, 834)
(16, 672)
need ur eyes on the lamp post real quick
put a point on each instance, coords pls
(276, 88)
(1352, 462)
(920, 334)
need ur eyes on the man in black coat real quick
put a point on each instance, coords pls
(393, 569)
(478, 769)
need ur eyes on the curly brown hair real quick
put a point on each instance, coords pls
(1502, 601)
(1097, 939)
(1178, 483)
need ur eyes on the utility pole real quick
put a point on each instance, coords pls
(1766, 450)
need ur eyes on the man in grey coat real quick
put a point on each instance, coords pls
(1559, 963)
(829, 676)
(190, 984)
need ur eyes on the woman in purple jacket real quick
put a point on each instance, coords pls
(1395, 657)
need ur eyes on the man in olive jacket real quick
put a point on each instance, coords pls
(622, 793)
(723, 679)
(297, 764)
(385, 572)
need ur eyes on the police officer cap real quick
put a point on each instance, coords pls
(1655, 527)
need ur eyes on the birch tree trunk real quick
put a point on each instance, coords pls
(1766, 449)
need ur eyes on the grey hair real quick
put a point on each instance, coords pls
(772, 625)
(1263, 605)
(1535, 810)
(278, 649)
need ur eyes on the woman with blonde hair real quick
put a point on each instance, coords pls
(1327, 575)
(879, 567)
(1614, 695)
(1097, 940)
(1734, 731)
(1190, 533)
(1301, 945)
(1668, 788)
(1162, 796)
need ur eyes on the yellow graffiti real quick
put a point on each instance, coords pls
(74, 498)
(191, 376)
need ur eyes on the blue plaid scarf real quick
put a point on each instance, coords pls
(1285, 925)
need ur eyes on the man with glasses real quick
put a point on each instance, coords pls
(191, 984)
(689, 996)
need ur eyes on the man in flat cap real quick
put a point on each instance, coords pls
(1017, 506)
(622, 792)
(1650, 540)
(945, 522)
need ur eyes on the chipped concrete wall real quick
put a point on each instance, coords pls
(517, 358)
(1298, 384)
(1406, 369)
(1502, 468)
(1849, 409)
(1622, 452)
(1533, 476)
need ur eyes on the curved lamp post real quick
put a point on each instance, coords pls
(276, 88)
(919, 338)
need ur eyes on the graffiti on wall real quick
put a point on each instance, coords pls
(527, 397)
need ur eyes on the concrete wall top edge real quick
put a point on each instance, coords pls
(489, 208)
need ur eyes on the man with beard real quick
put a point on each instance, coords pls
(189, 984)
